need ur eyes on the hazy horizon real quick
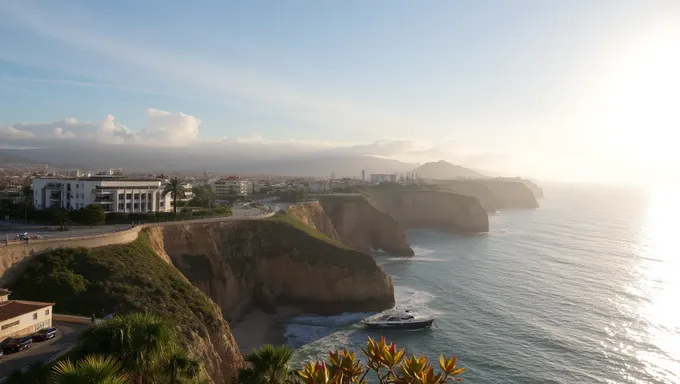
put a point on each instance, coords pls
(557, 91)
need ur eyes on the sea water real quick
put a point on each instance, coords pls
(585, 289)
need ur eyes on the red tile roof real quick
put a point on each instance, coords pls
(14, 308)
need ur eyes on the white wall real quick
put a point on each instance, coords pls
(27, 324)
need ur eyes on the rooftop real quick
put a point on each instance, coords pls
(14, 308)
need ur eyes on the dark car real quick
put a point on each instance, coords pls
(17, 344)
(44, 334)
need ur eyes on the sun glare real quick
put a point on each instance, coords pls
(644, 100)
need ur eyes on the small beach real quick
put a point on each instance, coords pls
(258, 328)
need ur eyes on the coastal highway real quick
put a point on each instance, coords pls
(239, 212)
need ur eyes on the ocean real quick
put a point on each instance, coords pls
(585, 289)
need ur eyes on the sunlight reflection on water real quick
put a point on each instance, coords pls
(658, 282)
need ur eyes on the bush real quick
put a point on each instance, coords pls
(93, 214)
(116, 278)
(389, 364)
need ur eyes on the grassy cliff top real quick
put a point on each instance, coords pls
(115, 278)
(296, 223)
(314, 246)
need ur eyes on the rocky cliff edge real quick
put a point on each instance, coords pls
(415, 208)
(264, 263)
(353, 221)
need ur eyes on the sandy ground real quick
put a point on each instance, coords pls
(258, 328)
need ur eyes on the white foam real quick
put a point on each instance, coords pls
(421, 251)
(313, 336)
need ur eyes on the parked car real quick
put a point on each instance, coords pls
(44, 334)
(17, 344)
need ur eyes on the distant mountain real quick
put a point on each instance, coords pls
(7, 157)
(442, 170)
(212, 159)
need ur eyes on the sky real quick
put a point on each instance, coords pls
(579, 90)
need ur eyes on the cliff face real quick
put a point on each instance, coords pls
(356, 223)
(314, 216)
(475, 189)
(262, 263)
(432, 209)
(511, 194)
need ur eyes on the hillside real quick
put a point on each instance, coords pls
(132, 278)
(443, 170)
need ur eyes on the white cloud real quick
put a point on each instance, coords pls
(59, 133)
(10, 132)
(169, 129)
(111, 132)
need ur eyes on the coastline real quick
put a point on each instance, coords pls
(258, 328)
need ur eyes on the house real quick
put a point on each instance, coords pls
(20, 317)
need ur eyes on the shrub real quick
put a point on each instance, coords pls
(389, 364)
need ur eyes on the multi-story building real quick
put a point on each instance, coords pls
(115, 194)
(377, 178)
(229, 186)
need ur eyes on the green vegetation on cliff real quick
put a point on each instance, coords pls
(117, 278)
(293, 221)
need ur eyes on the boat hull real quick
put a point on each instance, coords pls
(405, 325)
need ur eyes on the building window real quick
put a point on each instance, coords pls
(35, 316)
(136, 206)
(128, 206)
(129, 196)
(47, 311)
(77, 186)
(121, 196)
(121, 206)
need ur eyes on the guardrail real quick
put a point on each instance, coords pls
(105, 230)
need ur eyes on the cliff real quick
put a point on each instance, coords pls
(495, 194)
(132, 278)
(474, 188)
(431, 209)
(314, 216)
(511, 193)
(355, 222)
(263, 263)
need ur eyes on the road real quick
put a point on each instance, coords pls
(42, 351)
(238, 212)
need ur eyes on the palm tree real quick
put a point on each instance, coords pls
(268, 365)
(180, 366)
(177, 187)
(140, 341)
(93, 369)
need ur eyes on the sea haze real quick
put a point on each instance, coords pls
(581, 290)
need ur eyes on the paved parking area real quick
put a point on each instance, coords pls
(42, 351)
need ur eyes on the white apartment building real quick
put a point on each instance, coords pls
(223, 187)
(115, 194)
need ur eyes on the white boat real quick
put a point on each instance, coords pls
(398, 319)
